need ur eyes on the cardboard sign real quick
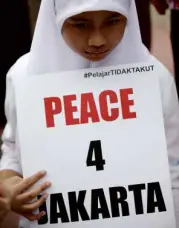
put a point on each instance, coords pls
(99, 133)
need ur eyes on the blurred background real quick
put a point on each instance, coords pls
(161, 43)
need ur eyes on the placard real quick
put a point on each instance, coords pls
(100, 135)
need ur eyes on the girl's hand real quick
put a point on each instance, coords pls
(23, 197)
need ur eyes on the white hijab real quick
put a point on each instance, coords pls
(50, 53)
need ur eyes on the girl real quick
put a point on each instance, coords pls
(78, 34)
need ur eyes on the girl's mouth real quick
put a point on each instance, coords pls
(96, 55)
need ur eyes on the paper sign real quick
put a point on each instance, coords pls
(99, 133)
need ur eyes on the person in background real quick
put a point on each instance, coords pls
(15, 41)
(143, 10)
(162, 6)
(174, 5)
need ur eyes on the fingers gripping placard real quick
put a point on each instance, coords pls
(102, 142)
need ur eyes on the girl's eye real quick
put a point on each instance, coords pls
(81, 25)
(114, 21)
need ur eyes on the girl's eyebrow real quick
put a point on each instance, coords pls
(77, 19)
(115, 15)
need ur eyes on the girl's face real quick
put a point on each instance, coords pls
(94, 34)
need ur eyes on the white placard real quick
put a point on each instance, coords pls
(99, 134)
